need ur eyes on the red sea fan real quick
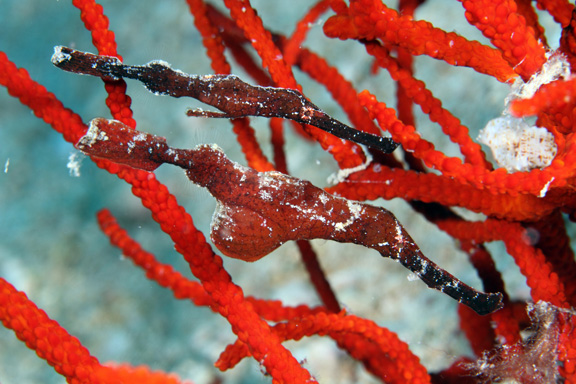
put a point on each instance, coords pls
(52, 249)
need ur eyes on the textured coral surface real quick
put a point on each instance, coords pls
(378, 68)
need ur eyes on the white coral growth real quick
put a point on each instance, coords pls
(556, 67)
(518, 146)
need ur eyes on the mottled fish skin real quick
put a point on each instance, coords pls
(228, 93)
(259, 211)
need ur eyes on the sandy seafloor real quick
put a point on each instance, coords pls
(51, 247)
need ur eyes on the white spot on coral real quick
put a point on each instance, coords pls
(518, 146)
(544, 190)
(555, 68)
(342, 174)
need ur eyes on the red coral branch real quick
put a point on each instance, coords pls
(211, 39)
(556, 93)
(184, 288)
(207, 266)
(293, 45)
(43, 103)
(247, 19)
(214, 44)
(417, 92)
(560, 10)
(317, 276)
(92, 14)
(381, 181)
(535, 182)
(280, 72)
(540, 275)
(500, 22)
(163, 274)
(45, 336)
(125, 373)
(63, 351)
(365, 340)
(371, 20)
